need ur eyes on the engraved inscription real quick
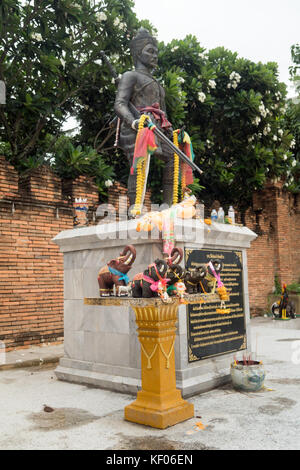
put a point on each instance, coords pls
(211, 333)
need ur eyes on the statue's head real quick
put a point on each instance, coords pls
(143, 48)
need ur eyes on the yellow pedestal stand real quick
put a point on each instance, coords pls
(159, 404)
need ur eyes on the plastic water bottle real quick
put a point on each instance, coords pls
(221, 215)
(214, 215)
(231, 214)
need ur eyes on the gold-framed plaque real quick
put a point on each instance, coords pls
(210, 333)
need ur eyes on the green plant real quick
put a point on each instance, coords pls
(294, 287)
(196, 187)
(277, 285)
(69, 162)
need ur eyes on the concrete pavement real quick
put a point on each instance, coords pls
(88, 418)
(34, 356)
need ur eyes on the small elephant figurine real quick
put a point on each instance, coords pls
(152, 282)
(113, 276)
(175, 272)
(175, 275)
(191, 279)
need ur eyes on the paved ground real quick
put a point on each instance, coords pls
(34, 356)
(87, 418)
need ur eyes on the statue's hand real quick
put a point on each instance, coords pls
(135, 124)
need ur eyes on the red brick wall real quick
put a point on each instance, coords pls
(32, 212)
(276, 251)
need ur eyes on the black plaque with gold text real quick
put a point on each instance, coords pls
(210, 333)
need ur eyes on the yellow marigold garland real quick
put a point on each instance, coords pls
(140, 178)
(176, 169)
(183, 185)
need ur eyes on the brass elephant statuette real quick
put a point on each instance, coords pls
(113, 278)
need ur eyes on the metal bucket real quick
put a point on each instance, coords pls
(247, 378)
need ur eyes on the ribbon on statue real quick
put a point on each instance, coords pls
(158, 114)
(122, 276)
(186, 146)
(156, 285)
(144, 145)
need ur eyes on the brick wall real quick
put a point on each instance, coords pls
(33, 209)
(275, 217)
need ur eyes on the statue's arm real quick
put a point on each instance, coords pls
(124, 94)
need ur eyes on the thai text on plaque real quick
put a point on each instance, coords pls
(211, 333)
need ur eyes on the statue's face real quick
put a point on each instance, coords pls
(148, 56)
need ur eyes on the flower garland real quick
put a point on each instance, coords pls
(222, 291)
(141, 172)
(182, 141)
(145, 145)
(186, 173)
(176, 169)
(183, 183)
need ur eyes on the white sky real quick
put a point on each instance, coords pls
(259, 30)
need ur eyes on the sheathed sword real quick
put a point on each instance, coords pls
(159, 134)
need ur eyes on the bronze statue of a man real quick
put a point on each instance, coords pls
(147, 95)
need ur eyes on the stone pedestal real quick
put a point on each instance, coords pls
(102, 348)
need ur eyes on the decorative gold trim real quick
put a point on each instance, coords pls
(137, 303)
(192, 357)
(244, 345)
(167, 356)
(149, 357)
(187, 253)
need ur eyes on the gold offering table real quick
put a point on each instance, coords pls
(159, 404)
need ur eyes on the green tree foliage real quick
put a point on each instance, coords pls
(234, 111)
(292, 122)
(71, 161)
(49, 60)
(295, 68)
